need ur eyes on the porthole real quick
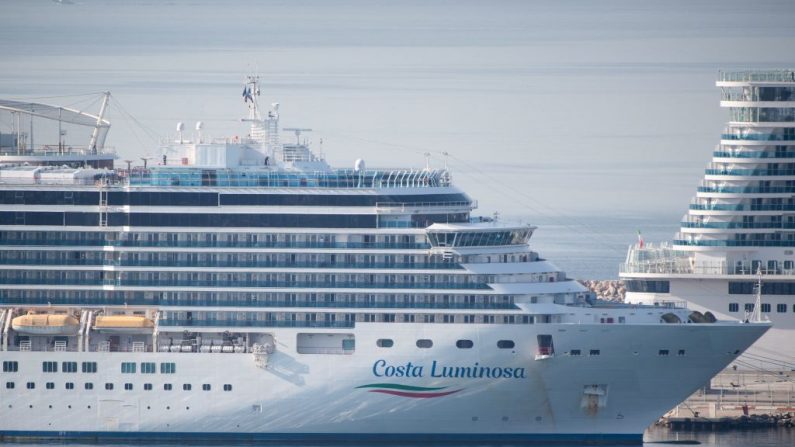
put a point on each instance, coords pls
(506, 344)
(384, 343)
(424, 343)
(464, 344)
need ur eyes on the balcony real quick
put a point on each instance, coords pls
(750, 172)
(743, 225)
(323, 285)
(256, 304)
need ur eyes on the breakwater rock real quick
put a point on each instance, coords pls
(611, 289)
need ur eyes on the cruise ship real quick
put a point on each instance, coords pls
(241, 289)
(738, 236)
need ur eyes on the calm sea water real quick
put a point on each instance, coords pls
(655, 436)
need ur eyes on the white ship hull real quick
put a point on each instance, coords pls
(325, 396)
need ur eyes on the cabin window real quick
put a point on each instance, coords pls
(168, 368)
(88, 386)
(128, 386)
(89, 367)
(31, 386)
(505, 344)
(167, 387)
(10, 367)
(464, 344)
(69, 385)
(108, 386)
(148, 368)
(128, 368)
(186, 387)
(594, 352)
(49, 385)
(734, 307)
(749, 307)
(10, 385)
(424, 343)
(147, 387)
(781, 308)
(681, 353)
(662, 352)
(49, 367)
(384, 343)
(575, 352)
(206, 387)
(227, 387)
(69, 367)
(766, 307)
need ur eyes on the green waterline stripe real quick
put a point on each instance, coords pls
(394, 386)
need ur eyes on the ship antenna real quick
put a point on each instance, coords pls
(756, 316)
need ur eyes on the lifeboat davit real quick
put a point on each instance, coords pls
(123, 324)
(46, 324)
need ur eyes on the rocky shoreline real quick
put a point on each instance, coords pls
(609, 289)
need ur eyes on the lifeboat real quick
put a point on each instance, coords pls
(46, 324)
(123, 324)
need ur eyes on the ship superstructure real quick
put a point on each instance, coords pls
(739, 230)
(242, 289)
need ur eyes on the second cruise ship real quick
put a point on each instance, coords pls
(242, 289)
(737, 239)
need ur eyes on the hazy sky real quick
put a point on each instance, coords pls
(547, 107)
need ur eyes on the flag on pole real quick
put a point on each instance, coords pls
(640, 240)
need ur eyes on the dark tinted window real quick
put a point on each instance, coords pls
(464, 344)
(505, 344)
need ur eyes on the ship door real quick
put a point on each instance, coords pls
(546, 349)
(118, 415)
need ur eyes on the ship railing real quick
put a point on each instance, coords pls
(757, 76)
(263, 304)
(255, 323)
(221, 264)
(684, 267)
(404, 207)
(213, 244)
(258, 284)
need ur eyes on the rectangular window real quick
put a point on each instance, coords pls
(681, 353)
(49, 367)
(167, 387)
(227, 387)
(734, 307)
(10, 366)
(206, 387)
(595, 352)
(69, 386)
(781, 308)
(31, 386)
(147, 387)
(168, 368)
(662, 352)
(89, 367)
(128, 368)
(148, 368)
(128, 386)
(50, 385)
(108, 386)
(766, 307)
(10, 385)
(88, 386)
(186, 387)
(575, 352)
(749, 307)
(69, 367)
